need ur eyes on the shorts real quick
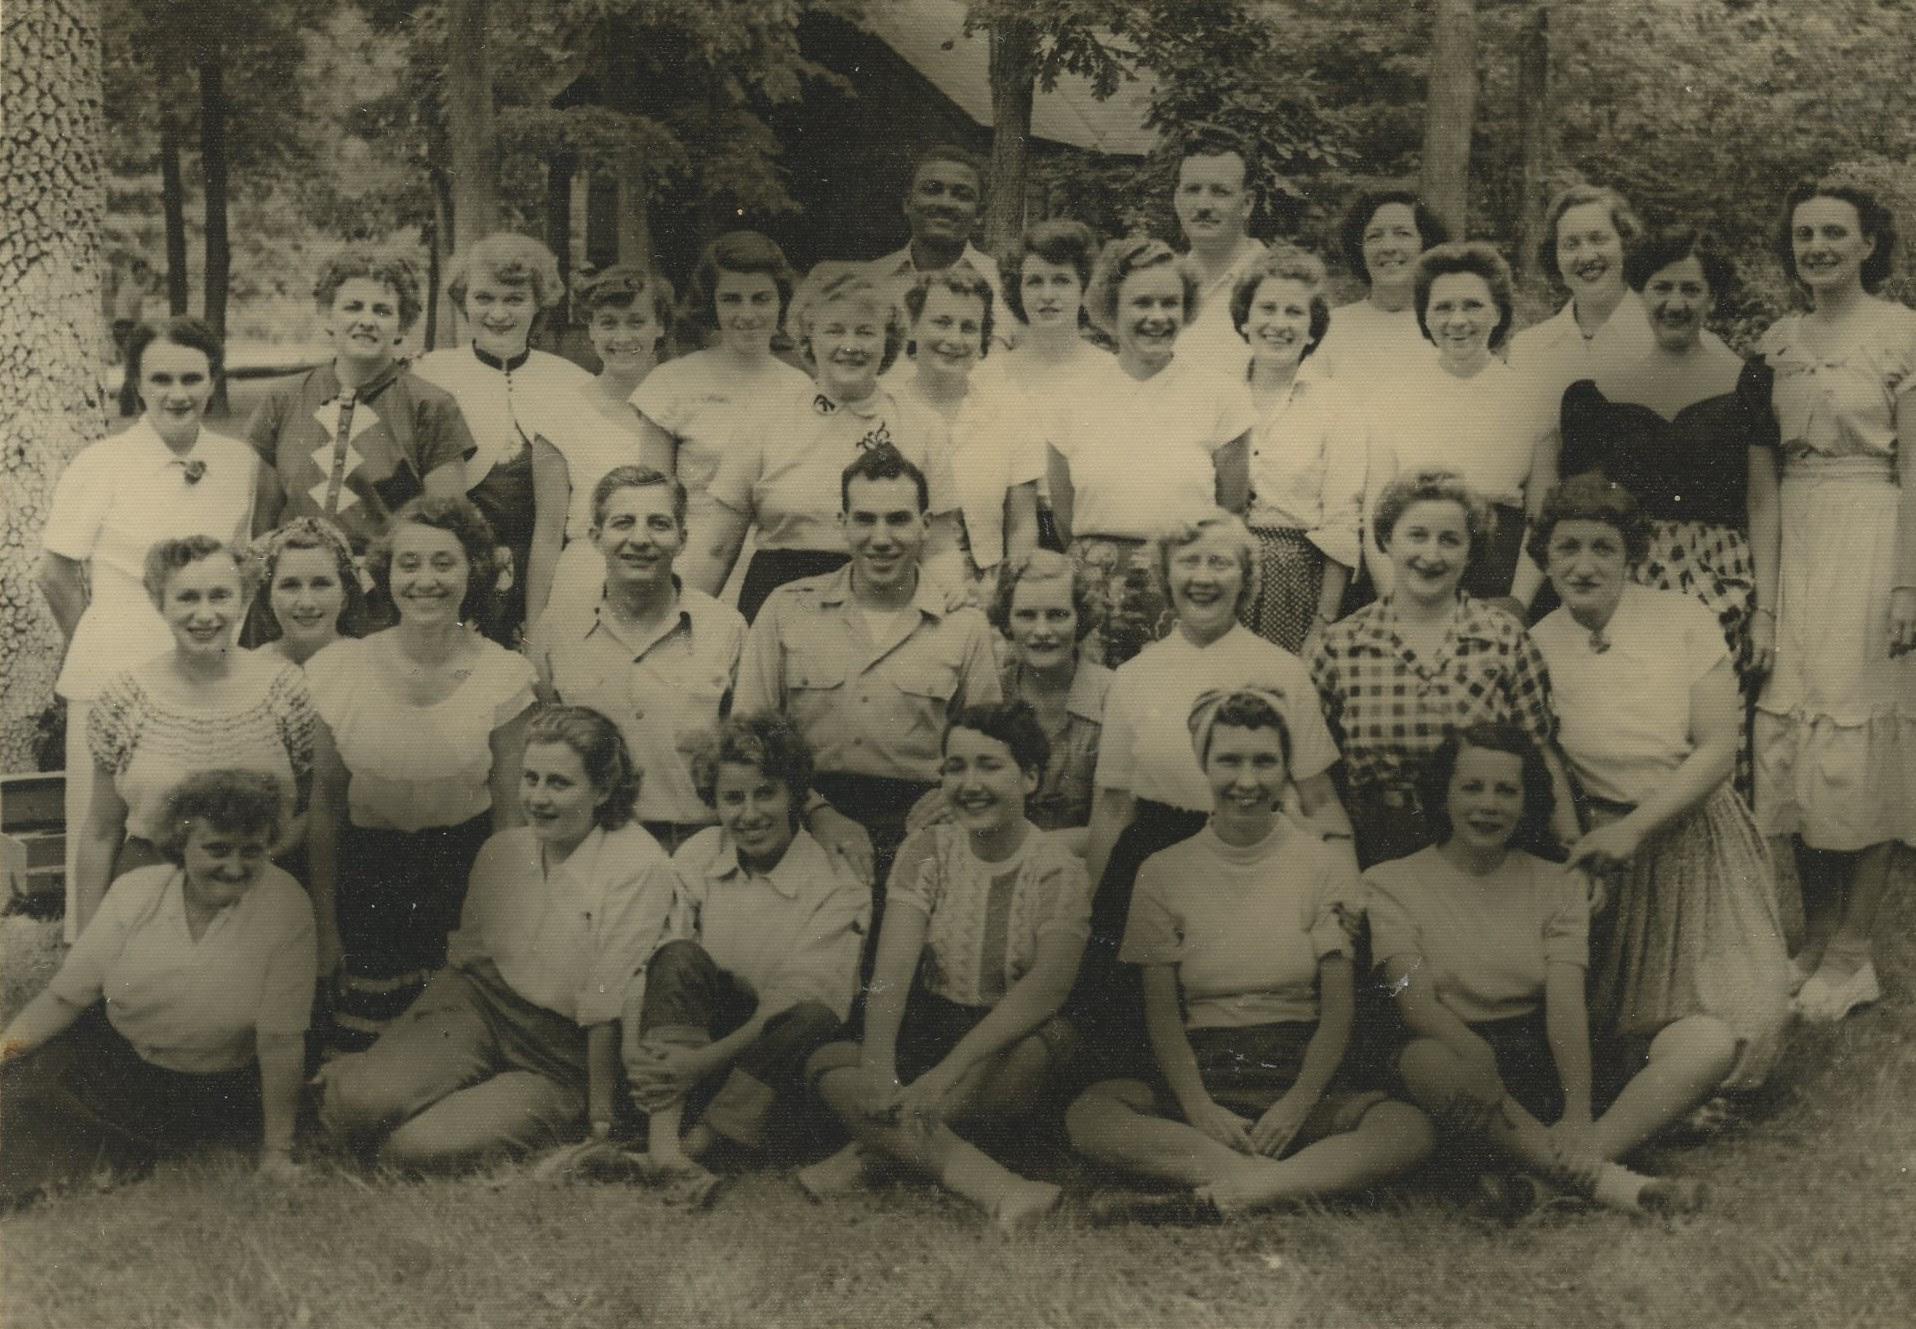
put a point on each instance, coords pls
(1250, 1067)
(933, 1026)
(1528, 1067)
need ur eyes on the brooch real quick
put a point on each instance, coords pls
(195, 470)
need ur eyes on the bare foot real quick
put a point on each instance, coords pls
(1024, 1204)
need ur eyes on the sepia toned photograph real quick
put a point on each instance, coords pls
(807, 664)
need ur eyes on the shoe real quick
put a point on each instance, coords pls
(1826, 1001)
(1153, 1208)
(1507, 1197)
(846, 1171)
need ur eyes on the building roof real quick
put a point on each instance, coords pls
(930, 35)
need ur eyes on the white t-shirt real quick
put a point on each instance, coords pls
(1366, 347)
(700, 399)
(1484, 427)
(993, 445)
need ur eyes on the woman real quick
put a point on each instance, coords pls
(1673, 426)
(311, 593)
(1464, 410)
(163, 479)
(515, 1044)
(528, 414)
(179, 1016)
(1153, 436)
(1835, 545)
(1645, 697)
(1483, 945)
(1371, 340)
(984, 922)
(1400, 675)
(626, 312)
(201, 705)
(416, 763)
(782, 475)
(1309, 453)
(1151, 791)
(691, 408)
(1245, 933)
(996, 454)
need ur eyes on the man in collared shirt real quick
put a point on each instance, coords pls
(1213, 200)
(654, 655)
(947, 193)
(868, 661)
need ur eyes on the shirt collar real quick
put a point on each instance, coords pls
(926, 598)
(1469, 621)
(326, 381)
(804, 861)
(154, 452)
(602, 621)
(578, 871)
(506, 365)
(901, 264)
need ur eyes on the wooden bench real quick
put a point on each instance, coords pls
(33, 837)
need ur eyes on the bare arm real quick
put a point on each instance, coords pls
(1171, 1046)
(1766, 545)
(1233, 463)
(657, 448)
(1058, 477)
(1032, 1000)
(508, 751)
(101, 837)
(447, 481)
(282, 1074)
(63, 583)
(712, 547)
(1563, 822)
(323, 817)
(1111, 811)
(1567, 1021)
(44, 1018)
(551, 497)
(900, 941)
(601, 1074)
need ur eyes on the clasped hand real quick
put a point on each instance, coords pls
(661, 1074)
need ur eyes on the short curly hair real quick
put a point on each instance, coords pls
(1431, 230)
(1012, 723)
(767, 741)
(1175, 534)
(959, 282)
(1284, 263)
(1623, 218)
(1478, 259)
(1590, 497)
(619, 287)
(166, 557)
(395, 274)
(510, 259)
(1533, 833)
(308, 533)
(233, 802)
(1061, 241)
(474, 533)
(1672, 244)
(602, 753)
(1875, 220)
(883, 462)
(840, 285)
(1045, 565)
(737, 252)
(1121, 258)
(1408, 490)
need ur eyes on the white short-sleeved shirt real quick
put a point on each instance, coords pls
(702, 400)
(196, 1006)
(1485, 943)
(1146, 747)
(1140, 451)
(993, 445)
(792, 452)
(1246, 925)
(1366, 347)
(116, 500)
(1310, 454)
(1658, 644)
(1211, 339)
(542, 397)
(415, 766)
(1485, 427)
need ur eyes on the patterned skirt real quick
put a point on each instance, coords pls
(1290, 580)
(1136, 611)
(1695, 929)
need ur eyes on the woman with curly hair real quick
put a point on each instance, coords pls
(514, 1044)
(310, 594)
(1380, 237)
(416, 763)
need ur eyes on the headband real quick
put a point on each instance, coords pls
(1204, 710)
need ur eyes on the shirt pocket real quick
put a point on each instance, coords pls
(810, 669)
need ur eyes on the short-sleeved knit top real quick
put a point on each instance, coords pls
(151, 738)
(987, 919)
(701, 399)
(415, 766)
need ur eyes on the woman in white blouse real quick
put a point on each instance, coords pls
(1371, 340)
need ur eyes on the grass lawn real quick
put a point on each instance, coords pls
(1814, 1223)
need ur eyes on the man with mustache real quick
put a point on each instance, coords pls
(941, 207)
(1214, 201)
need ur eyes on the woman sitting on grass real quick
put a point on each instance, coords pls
(759, 964)
(1485, 946)
(514, 1044)
(1245, 936)
(985, 920)
(180, 1014)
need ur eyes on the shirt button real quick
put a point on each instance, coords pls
(638, 713)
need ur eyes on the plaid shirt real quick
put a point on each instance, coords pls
(1389, 710)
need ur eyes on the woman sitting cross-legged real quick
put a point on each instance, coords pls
(1245, 935)
(179, 1015)
(1485, 946)
(759, 964)
(991, 915)
(515, 1043)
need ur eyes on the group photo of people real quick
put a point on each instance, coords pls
(1191, 723)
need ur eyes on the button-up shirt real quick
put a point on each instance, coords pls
(1553, 354)
(793, 934)
(1389, 709)
(1063, 797)
(570, 937)
(664, 690)
(865, 708)
(1310, 454)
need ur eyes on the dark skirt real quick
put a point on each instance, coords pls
(504, 498)
(1492, 574)
(773, 568)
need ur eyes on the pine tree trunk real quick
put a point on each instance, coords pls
(469, 127)
(1014, 73)
(173, 209)
(52, 341)
(1533, 114)
(213, 170)
(1450, 112)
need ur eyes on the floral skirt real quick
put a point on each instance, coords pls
(1695, 930)
(1712, 564)
(1290, 580)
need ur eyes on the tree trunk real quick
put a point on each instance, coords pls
(213, 163)
(1450, 112)
(635, 221)
(442, 328)
(52, 341)
(173, 208)
(1014, 74)
(560, 171)
(469, 124)
(601, 220)
(1533, 112)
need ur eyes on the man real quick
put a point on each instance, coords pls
(1213, 202)
(868, 661)
(947, 193)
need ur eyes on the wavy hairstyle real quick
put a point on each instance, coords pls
(1533, 834)
(1876, 221)
(1590, 497)
(232, 802)
(510, 259)
(1045, 565)
(960, 283)
(1623, 219)
(602, 753)
(766, 741)
(1414, 487)
(357, 261)
(308, 533)
(1284, 263)
(1478, 259)
(469, 526)
(1061, 241)
(1121, 258)
(1012, 723)
(166, 557)
(1431, 230)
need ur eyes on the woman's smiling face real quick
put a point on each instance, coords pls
(1430, 549)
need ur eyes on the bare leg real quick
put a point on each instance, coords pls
(1392, 1138)
(1846, 976)
(1688, 1060)
(662, 1133)
(1115, 1123)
